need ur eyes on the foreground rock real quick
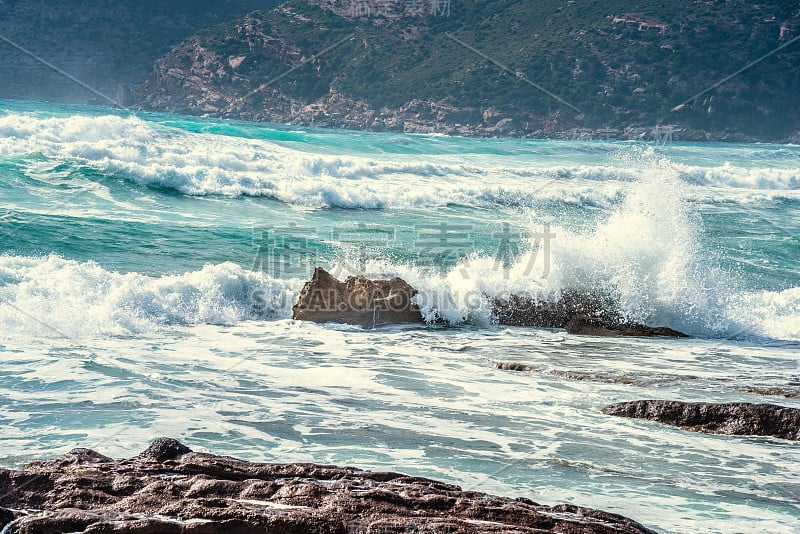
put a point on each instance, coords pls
(170, 489)
(357, 300)
(577, 313)
(735, 418)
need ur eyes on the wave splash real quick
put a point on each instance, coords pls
(648, 257)
(55, 297)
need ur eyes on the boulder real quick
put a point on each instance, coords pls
(357, 300)
(171, 489)
(734, 418)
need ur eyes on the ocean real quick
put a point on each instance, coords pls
(149, 262)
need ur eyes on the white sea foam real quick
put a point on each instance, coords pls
(728, 175)
(53, 296)
(770, 314)
(208, 164)
(646, 253)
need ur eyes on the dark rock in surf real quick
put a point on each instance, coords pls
(514, 366)
(169, 490)
(790, 392)
(734, 418)
(357, 300)
(577, 313)
(580, 324)
(525, 311)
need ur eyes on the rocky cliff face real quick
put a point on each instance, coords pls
(497, 68)
(237, 71)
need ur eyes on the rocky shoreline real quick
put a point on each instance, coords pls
(337, 111)
(168, 488)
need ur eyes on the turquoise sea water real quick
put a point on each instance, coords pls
(148, 264)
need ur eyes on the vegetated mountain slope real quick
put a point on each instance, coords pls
(103, 43)
(496, 67)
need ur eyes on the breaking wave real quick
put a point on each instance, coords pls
(646, 255)
(210, 164)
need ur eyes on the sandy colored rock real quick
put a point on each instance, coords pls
(357, 300)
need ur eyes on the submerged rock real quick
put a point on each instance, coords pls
(170, 489)
(789, 392)
(357, 300)
(735, 418)
(514, 366)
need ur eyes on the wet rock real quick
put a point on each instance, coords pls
(580, 324)
(370, 303)
(525, 311)
(357, 300)
(187, 492)
(576, 312)
(775, 391)
(514, 366)
(735, 418)
(164, 449)
(602, 378)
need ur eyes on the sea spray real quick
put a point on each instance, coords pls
(646, 256)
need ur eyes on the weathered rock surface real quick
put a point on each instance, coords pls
(357, 300)
(735, 418)
(170, 489)
(577, 313)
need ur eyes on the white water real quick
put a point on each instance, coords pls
(208, 164)
(130, 312)
(646, 255)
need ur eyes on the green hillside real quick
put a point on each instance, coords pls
(622, 64)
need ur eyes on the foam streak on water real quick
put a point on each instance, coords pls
(148, 265)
